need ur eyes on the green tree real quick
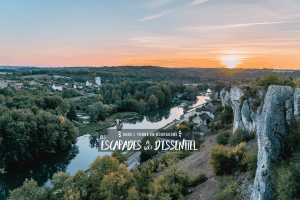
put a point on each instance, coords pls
(29, 190)
(161, 99)
(122, 158)
(7, 91)
(92, 114)
(138, 95)
(168, 94)
(26, 83)
(72, 115)
(119, 116)
(153, 102)
(183, 129)
(147, 147)
(66, 94)
(106, 97)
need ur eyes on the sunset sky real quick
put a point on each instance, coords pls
(168, 33)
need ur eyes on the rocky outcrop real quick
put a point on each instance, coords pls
(277, 109)
(297, 101)
(225, 97)
(269, 120)
(235, 97)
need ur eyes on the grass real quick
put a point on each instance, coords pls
(88, 128)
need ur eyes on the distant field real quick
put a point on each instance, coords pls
(4, 84)
(37, 76)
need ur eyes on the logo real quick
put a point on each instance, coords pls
(130, 139)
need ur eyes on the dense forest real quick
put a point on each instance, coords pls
(32, 125)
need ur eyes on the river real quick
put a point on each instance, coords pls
(85, 150)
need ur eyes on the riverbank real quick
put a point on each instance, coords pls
(99, 126)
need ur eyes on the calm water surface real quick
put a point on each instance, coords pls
(84, 151)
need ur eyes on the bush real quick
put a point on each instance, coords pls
(286, 174)
(225, 161)
(199, 142)
(294, 133)
(227, 115)
(256, 104)
(227, 190)
(145, 156)
(251, 163)
(201, 178)
(275, 79)
(219, 109)
(191, 118)
(222, 138)
(183, 129)
(119, 116)
(240, 135)
(222, 160)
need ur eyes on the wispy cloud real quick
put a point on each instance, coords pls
(158, 3)
(193, 3)
(157, 15)
(196, 2)
(236, 25)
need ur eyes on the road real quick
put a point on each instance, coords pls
(133, 159)
(186, 118)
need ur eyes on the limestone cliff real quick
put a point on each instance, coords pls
(268, 117)
(271, 136)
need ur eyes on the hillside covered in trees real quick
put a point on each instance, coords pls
(122, 73)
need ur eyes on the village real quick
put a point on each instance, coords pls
(49, 85)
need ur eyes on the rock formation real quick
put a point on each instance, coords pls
(277, 109)
(269, 120)
(297, 102)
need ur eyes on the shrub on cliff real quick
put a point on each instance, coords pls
(222, 138)
(240, 135)
(227, 115)
(225, 161)
(275, 79)
(286, 175)
(222, 160)
(227, 190)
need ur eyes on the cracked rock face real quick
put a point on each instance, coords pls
(235, 97)
(297, 102)
(271, 134)
(225, 97)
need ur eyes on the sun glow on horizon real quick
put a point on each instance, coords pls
(232, 58)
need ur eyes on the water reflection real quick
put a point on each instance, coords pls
(40, 171)
(94, 141)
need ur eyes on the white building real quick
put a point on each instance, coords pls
(97, 82)
(57, 87)
(78, 85)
